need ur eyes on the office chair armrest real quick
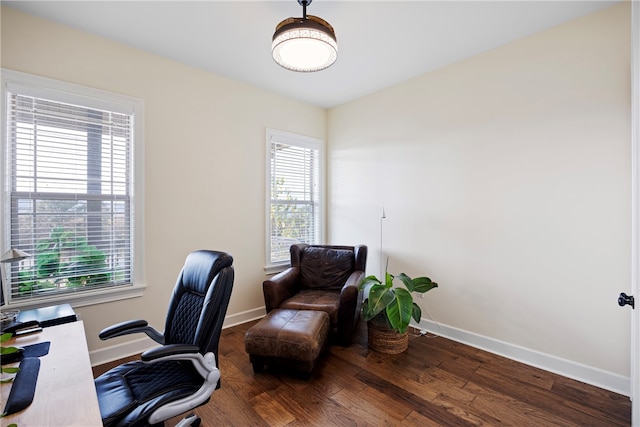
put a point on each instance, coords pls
(203, 364)
(206, 367)
(131, 327)
(168, 350)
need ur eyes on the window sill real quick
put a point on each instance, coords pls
(83, 298)
(276, 268)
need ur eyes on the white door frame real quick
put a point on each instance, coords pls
(635, 228)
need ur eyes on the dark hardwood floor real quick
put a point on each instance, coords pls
(436, 382)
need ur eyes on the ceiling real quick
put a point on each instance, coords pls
(380, 43)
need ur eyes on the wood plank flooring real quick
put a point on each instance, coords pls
(436, 382)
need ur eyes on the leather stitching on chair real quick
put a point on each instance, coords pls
(186, 318)
(148, 381)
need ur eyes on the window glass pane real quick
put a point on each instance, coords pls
(294, 199)
(70, 195)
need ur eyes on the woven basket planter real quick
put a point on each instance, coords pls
(383, 339)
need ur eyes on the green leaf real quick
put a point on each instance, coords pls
(417, 313)
(7, 350)
(399, 311)
(367, 282)
(408, 283)
(423, 284)
(388, 281)
(379, 298)
(5, 337)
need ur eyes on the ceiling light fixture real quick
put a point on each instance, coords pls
(304, 44)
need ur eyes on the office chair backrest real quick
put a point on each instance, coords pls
(200, 300)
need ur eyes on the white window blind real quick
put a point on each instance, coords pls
(294, 194)
(69, 190)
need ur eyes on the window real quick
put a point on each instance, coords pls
(294, 194)
(69, 188)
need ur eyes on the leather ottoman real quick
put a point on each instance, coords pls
(290, 338)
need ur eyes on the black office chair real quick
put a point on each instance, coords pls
(181, 374)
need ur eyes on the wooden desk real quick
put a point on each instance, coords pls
(65, 393)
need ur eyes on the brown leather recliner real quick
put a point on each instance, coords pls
(324, 278)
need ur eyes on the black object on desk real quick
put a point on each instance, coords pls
(49, 316)
(21, 328)
(34, 350)
(24, 386)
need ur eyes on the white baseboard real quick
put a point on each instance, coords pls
(567, 368)
(587, 374)
(244, 317)
(119, 351)
(139, 345)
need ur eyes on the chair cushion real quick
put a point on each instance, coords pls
(132, 391)
(325, 268)
(114, 398)
(315, 299)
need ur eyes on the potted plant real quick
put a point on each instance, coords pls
(388, 310)
(5, 351)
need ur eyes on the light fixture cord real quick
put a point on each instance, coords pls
(304, 9)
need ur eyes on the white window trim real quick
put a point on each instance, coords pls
(303, 141)
(38, 85)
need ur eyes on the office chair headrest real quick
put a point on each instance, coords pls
(198, 264)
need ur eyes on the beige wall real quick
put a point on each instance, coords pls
(505, 178)
(204, 156)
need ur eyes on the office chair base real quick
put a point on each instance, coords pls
(191, 420)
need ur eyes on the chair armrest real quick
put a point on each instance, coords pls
(206, 367)
(280, 287)
(168, 350)
(131, 327)
(349, 309)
